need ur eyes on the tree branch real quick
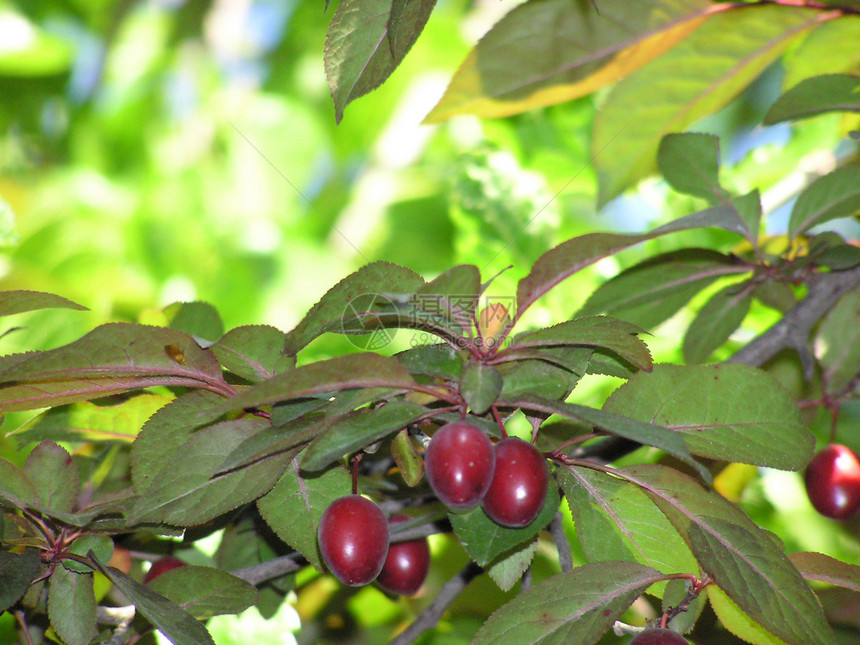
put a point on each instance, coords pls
(431, 615)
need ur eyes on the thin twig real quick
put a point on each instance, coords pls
(431, 615)
(556, 529)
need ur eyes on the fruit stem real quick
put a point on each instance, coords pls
(355, 459)
(501, 423)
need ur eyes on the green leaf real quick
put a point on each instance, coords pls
(508, 571)
(171, 620)
(14, 302)
(487, 542)
(72, 606)
(186, 491)
(86, 421)
(823, 568)
(17, 571)
(164, 434)
(348, 372)
(837, 342)
(574, 48)
(205, 591)
(548, 372)
(831, 196)
(15, 487)
(610, 421)
(366, 41)
(690, 162)
(695, 78)
(439, 361)
(721, 315)
(729, 412)
(616, 336)
(816, 95)
(373, 285)
(110, 359)
(744, 560)
(578, 606)
(254, 352)
(826, 49)
(737, 621)
(55, 476)
(616, 520)
(101, 545)
(198, 319)
(294, 506)
(408, 460)
(650, 292)
(354, 432)
(452, 296)
(480, 386)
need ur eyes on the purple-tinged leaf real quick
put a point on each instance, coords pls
(718, 318)
(831, 196)
(180, 627)
(574, 607)
(816, 95)
(15, 302)
(366, 41)
(110, 359)
(615, 336)
(349, 372)
(547, 52)
(690, 162)
(744, 560)
(353, 299)
(72, 606)
(294, 506)
(254, 352)
(729, 412)
(823, 568)
(648, 434)
(16, 489)
(54, 475)
(652, 291)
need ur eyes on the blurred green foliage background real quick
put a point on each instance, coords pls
(154, 151)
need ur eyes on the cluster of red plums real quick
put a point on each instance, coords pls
(464, 468)
(833, 482)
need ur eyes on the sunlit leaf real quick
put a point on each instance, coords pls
(737, 622)
(816, 95)
(730, 412)
(366, 41)
(837, 341)
(574, 49)
(574, 607)
(171, 620)
(408, 459)
(834, 195)
(13, 302)
(825, 50)
(508, 571)
(198, 319)
(697, 77)
(744, 560)
(294, 506)
(721, 315)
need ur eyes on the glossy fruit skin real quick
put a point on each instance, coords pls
(165, 564)
(459, 463)
(406, 566)
(518, 490)
(353, 539)
(833, 482)
(659, 637)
